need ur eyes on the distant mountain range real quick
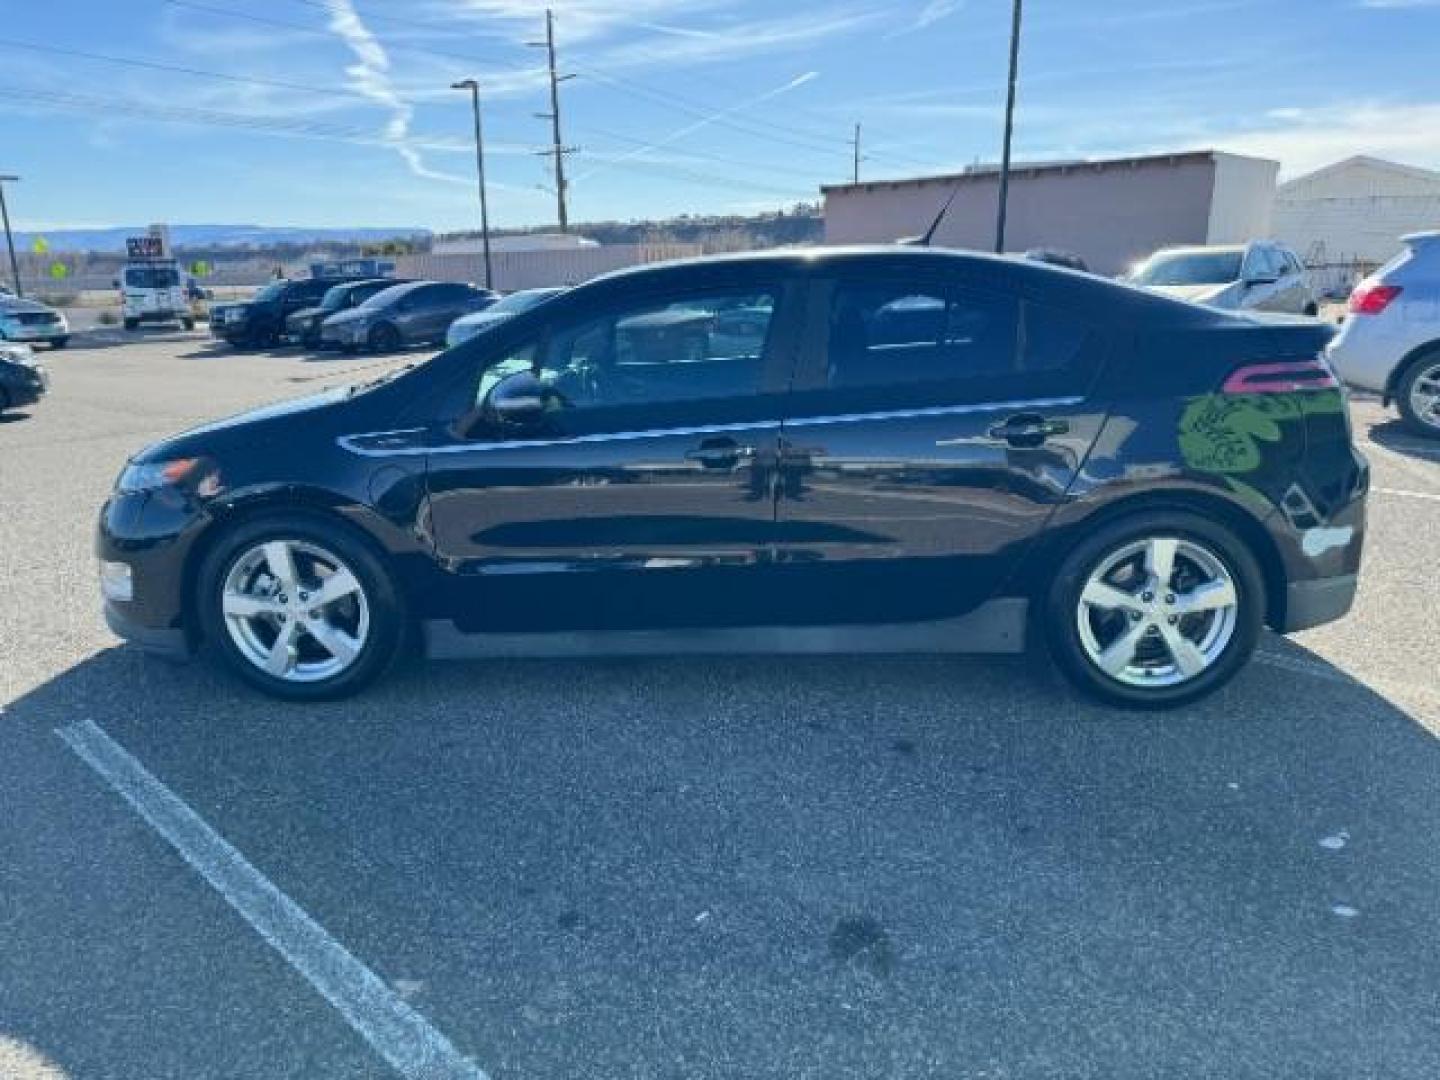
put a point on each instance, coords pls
(210, 236)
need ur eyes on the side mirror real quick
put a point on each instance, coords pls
(516, 402)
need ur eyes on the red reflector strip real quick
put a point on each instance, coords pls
(1280, 378)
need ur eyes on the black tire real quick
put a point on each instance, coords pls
(59, 342)
(132, 324)
(1406, 384)
(1062, 604)
(382, 646)
(4, 401)
(1312, 311)
(188, 324)
(384, 338)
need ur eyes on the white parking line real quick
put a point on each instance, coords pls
(1429, 496)
(397, 1032)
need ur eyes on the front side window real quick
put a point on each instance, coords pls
(636, 359)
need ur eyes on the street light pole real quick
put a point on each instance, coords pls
(1009, 129)
(9, 239)
(474, 88)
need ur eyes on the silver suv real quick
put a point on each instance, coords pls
(1259, 276)
(1390, 340)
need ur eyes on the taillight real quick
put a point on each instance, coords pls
(1372, 299)
(1282, 377)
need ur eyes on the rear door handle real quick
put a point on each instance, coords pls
(1028, 429)
(719, 453)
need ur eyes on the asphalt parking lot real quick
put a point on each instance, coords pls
(820, 867)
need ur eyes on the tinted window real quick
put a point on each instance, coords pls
(1190, 268)
(151, 277)
(449, 293)
(883, 335)
(700, 348)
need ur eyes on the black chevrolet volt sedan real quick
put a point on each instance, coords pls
(844, 450)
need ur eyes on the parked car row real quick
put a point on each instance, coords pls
(375, 314)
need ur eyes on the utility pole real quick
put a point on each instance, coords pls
(1009, 129)
(474, 88)
(9, 239)
(855, 145)
(558, 149)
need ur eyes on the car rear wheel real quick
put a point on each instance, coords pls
(1419, 395)
(300, 608)
(384, 338)
(59, 342)
(1156, 610)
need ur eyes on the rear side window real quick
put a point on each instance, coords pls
(945, 340)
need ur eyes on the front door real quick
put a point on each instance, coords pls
(643, 495)
(934, 428)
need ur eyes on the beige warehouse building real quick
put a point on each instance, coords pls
(1111, 213)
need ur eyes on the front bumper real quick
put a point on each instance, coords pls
(20, 394)
(169, 641)
(153, 534)
(345, 334)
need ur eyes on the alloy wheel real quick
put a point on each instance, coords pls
(1425, 396)
(295, 611)
(1157, 612)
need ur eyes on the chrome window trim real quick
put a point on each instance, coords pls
(348, 442)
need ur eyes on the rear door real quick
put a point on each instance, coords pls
(934, 427)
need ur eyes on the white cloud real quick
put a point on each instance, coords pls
(1306, 139)
(1398, 5)
(370, 77)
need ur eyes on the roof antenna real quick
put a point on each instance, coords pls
(924, 241)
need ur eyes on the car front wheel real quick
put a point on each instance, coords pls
(1156, 610)
(300, 608)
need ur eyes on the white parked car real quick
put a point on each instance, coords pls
(1259, 276)
(504, 309)
(1390, 340)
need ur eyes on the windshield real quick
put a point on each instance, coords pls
(271, 291)
(1190, 268)
(334, 298)
(151, 277)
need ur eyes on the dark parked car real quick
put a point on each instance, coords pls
(303, 327)
(415, 314)
(261, 322)
(22, 380)
(879, 449)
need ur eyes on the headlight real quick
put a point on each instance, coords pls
(192, 474)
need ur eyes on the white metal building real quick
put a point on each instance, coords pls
(1111, 213)
(474, 245)
(1355, 211)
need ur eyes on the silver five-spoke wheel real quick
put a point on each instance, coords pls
(1157, 612)
(1425, 396)
(295, 610)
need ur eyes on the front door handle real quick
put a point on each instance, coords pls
(1028, 429)
(719, 453)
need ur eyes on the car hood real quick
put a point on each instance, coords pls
(1216, 295)
(198, 440)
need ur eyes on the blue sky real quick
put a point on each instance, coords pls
(338, 112)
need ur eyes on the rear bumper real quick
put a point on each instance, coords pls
(1314, 603)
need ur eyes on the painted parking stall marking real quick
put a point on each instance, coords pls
(396, 1032)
